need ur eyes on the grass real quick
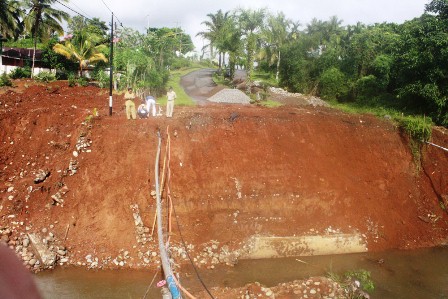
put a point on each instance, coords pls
(264, 78)
(174, 81)
(418, 127)
(270, 103)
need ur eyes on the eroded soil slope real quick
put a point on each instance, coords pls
(236, 171)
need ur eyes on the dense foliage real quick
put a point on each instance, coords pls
(141, 60)
(398, 66)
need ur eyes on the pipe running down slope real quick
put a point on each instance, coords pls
(169, 277)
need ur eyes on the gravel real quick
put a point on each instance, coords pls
(232, 96)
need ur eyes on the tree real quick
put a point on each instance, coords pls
(85, 51)
(232, 43)
(216, 32)
(439, 7)
(42, 21)
(275, 34)
(251, 22)
(93, 26)
(421, 67)
(10, 14)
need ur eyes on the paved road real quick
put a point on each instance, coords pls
(199, 84)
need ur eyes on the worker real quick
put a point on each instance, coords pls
(170, 96)
(151, 105)
(129, 96)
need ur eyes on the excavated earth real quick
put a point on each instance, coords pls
(236, 171)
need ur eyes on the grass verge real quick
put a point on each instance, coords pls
(174, 81)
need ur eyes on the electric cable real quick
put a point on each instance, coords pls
(188, 255)
(121, 24)
(73, 10)
(147, 290)
(177, 223)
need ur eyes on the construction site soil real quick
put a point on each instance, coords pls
(236, 171)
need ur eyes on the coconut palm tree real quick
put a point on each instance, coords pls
(232, 43)
(83, 50)
(251, 22)
(10, 14)
(215, 33)
(42, 21)
(275, 34)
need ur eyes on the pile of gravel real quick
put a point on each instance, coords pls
(233, 96)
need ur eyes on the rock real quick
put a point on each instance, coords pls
(41, 176)
(63, 260)
(32, 262)
(10, 189)
(75, 154)
(61, 252)
(7, 232)
(46, 257)
(26, 242)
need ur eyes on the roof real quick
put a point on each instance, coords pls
(21, 53)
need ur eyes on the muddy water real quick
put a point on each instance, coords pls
(400, 274)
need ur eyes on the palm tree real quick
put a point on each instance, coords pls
(232, 43)
(10, 14)
(215, 33)
(275, 34)
(84, 50)
(43, 20)
(251, 22)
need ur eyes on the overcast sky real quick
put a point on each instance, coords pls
(189, 15)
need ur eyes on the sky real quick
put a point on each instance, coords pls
(139, 14)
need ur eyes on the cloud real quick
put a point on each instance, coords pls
(189, 15)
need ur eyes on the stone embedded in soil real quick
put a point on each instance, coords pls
(41, 176)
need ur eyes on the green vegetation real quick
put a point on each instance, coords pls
(20, 72)
(402, 67)
(5, 80)
(174, 81)
(45, 77)
(356, 283)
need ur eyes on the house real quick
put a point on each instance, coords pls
(13, 58)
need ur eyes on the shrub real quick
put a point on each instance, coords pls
(82, 81)
(4, 80)
(71, 80)
(21, 72)
(355, 283)
(45, 77)
(180, 62)
(333, 84)
(102, 78)
(418, 128)
(367, 88)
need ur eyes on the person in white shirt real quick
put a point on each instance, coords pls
(170, 96)
(151, 105)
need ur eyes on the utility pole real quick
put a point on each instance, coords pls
(111, 66)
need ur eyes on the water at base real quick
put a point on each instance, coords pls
(398, 274)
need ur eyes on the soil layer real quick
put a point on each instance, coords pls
(235, 172)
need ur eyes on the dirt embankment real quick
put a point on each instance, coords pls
(236, 172)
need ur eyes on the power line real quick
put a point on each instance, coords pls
(73, 10)
(79, 8)
(121, 24)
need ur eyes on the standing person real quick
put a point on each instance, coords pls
(129, 96)
(170, 96)
(151, 105)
